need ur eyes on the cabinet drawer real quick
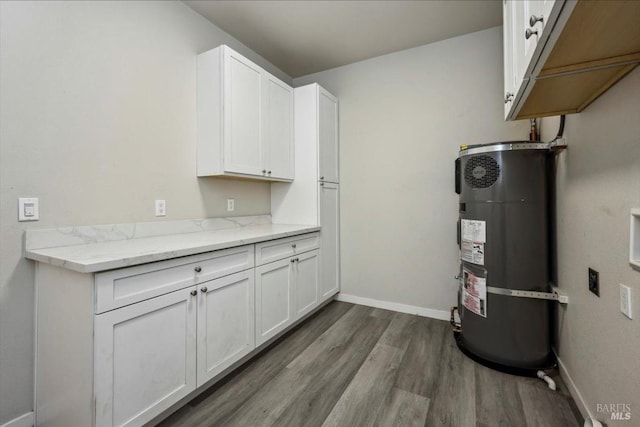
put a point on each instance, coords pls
(282, 248)
(126, 286)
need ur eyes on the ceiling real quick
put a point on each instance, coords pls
(304, 37)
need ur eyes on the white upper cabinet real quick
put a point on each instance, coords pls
(328, 136)
(519, 43)
(508, 52)
(561, 55)
(244, 119)
(278, 144)
(527, 25)
(243, 151)
(518, 50)
(536, 17)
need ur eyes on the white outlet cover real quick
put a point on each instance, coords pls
(625, 301)
(231, 205)
(28, 209)
(161, 208)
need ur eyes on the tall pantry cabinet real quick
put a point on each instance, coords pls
(314, 196)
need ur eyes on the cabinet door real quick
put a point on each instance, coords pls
(226, 330)
(536, 12)
(531, 8)
(145, 358)
(242, 115)
(274, 299)
(329, 195)
(545, 11)
(508, 55)
(328, 136)
(278, 128)
(307, 277)
(520, 44)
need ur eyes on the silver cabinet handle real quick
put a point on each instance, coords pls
(529, 32)
(534, 19)
(203, 289)
(194, 293)
(293, 260)
(508, 97)
(293, 246)
(322, 177)
(264, 171)
(269, 173)
(297, 259)
(322, 184)
(198, 269)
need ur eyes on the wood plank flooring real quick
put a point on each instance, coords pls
(351, 365)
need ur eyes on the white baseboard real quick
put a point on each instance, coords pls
(573, 390)
(394, 306)
(25, 420)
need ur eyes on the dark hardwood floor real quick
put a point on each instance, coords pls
(351, 365)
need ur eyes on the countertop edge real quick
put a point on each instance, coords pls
(99, 266)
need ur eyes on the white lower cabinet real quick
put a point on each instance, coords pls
(147, 353)
(274, 298)
(307, 280)
(286, 290)
(225, 323)
(329, 211)
(145, 359)
(121, 347)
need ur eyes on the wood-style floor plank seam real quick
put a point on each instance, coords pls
(351, 365)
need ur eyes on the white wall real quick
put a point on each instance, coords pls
(98, 120)
(598, 182)
(402, 119)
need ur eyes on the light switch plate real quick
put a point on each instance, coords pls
(28, 209)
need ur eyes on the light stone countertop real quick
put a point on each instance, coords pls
(106, 254)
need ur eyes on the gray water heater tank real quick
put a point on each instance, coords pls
(503, 240)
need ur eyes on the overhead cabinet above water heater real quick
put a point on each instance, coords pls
(561, 55)
(504, 310)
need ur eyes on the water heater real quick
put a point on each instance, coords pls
(503, 303)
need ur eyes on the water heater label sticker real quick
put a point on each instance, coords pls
(473, 252)
(474, 231)
(474, 293)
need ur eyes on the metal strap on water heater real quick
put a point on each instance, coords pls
(556, 144)
(554, 296)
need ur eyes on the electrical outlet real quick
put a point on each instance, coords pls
(625, 300)
(594, 282)
(231, 205)
(161, 208)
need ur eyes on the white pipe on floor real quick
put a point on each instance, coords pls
(543, 376)
(591, 422)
